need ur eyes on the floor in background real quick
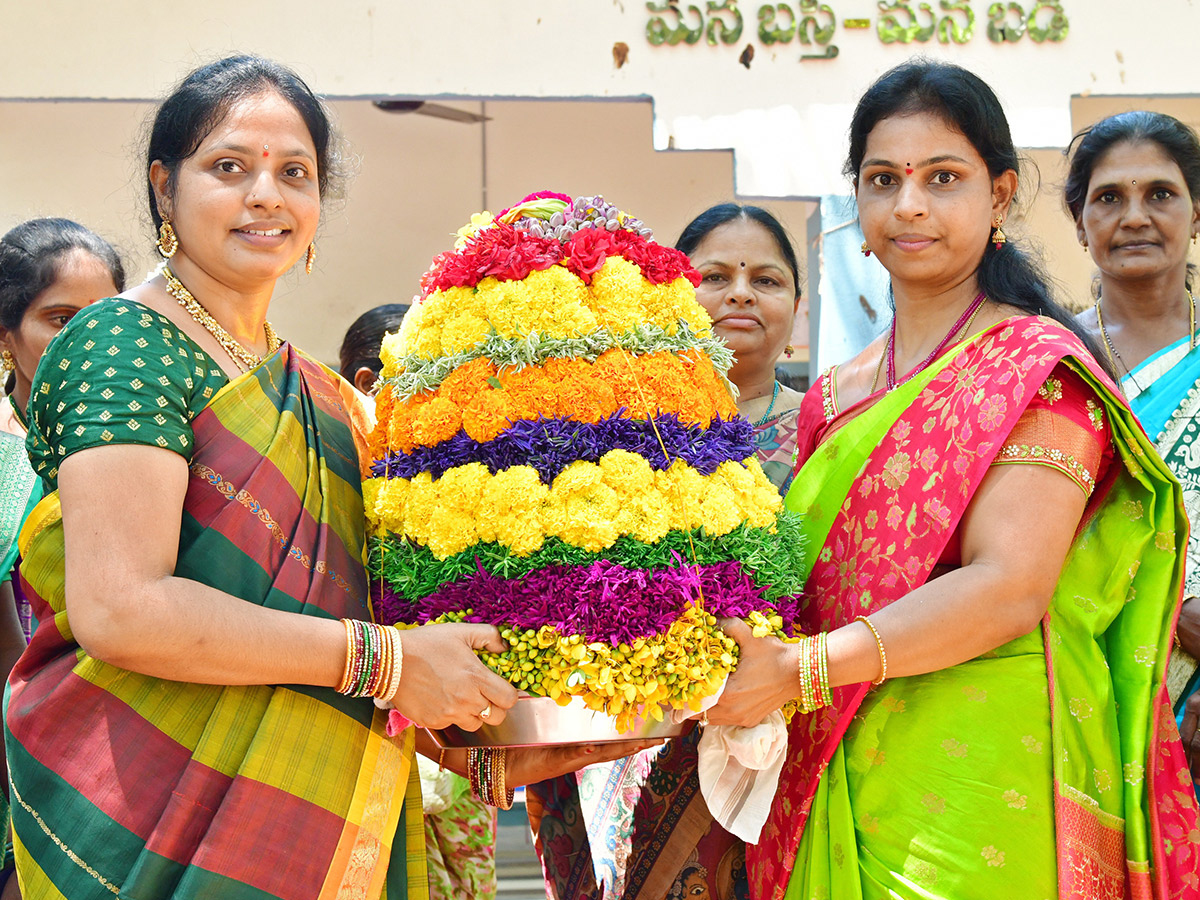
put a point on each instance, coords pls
(518, 872)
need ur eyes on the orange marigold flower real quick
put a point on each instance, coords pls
(464, 383)
(436, 421)
(487, 415)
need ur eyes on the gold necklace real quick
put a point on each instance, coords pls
(1114, 354)
(244, 358)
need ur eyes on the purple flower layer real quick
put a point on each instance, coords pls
(550, 445)
(602, 601)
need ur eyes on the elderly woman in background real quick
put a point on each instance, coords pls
(1133, 188)
(751, 288)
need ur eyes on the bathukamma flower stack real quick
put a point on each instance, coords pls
(558, 454)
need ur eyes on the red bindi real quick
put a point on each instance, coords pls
(266, 151)
(907, 169)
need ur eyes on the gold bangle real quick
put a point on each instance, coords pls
(502, 794)
(392, 684)
(344, 685)
(825, 693)
(879, 644)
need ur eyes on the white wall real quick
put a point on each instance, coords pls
(786, 117)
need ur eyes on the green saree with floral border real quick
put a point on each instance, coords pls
(1049, 767)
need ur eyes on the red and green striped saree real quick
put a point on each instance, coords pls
(131, 786)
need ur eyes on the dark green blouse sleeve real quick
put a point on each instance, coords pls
(118, 373)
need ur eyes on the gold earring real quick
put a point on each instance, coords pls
(999, 238)
(866, 251)
(1083, 244)
(310, 258)
(788, 351)
(168, 243)
(7, 363)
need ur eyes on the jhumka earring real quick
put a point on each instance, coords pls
(1083, 244)
(788, 351)
(866, 251)
(310, 258)
(168, 243)
(7, 363)
(999, 239)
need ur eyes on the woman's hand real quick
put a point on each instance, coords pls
(443, 682)
(766, 677)
(1188, 629)
(529, 765)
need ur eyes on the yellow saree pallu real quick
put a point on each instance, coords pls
(139, 787)
(1048, 767)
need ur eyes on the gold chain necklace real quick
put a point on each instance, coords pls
(237, 351)
(1114, 355)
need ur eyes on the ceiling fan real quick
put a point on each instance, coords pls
(437, 110)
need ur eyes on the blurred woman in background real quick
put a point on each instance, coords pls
(1133, 188)
(751, 288)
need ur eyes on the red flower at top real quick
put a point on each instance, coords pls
(587, 250)
(508, 254)
(499, 251)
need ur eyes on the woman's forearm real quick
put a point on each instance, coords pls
(949, 620)
(182, 630)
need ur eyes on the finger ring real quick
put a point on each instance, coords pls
(487, 711)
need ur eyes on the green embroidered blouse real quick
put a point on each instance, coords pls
(118, 373)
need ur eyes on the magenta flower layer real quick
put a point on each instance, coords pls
(602, 601)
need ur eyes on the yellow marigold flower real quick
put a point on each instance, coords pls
(479, 221)
(627, 473)
(463, 332)
(404, 341)
(646, 516)
(581, 508)
(550, 302)
(429, 342)
(371, 488)
(510, 510)
(616, 295)
(720, 509)
(452, 523)
(675, 300)
(418, 509)
(683, 487)
(389, 499)
(390, 350)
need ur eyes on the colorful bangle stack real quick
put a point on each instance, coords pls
(878, 643)
(485, 769)
(813, 670)
(374, 660)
